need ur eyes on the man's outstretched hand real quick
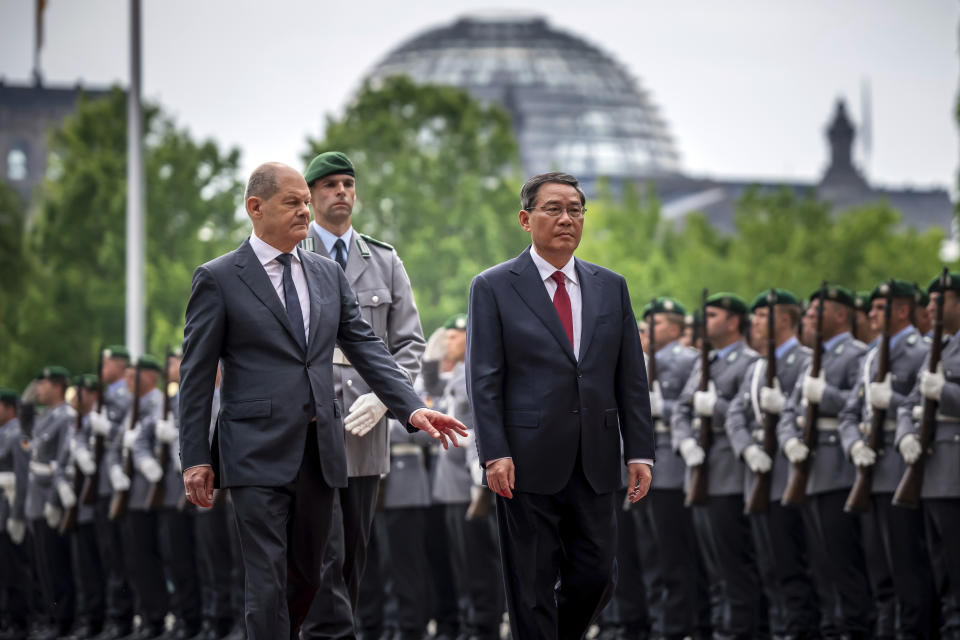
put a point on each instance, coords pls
(439, 426)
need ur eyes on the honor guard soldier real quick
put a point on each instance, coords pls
(738, 609)
(376, 274)
(15, 578)
(833, 537)
(673, 570)
(777, 530)
(934, 450)
(43, 509)
(893, 537)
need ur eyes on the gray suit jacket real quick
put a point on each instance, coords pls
(452, 480)
(744, 422)
(856, 416)
(829, 469)
(674, 364)
(272, 388)
(48, 431)
(383, 290)
(941, 471)
(13, 459)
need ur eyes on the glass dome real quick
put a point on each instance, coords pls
(574, 108)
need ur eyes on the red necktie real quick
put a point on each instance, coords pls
(561, 301)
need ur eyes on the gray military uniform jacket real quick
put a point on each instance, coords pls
(941, 472)
(48, 432)
(67, 466)
(906, 357)
(744, 423)
(13, 459)
(146, 445)
(829, 468)
(724, 468)
(452, 480)
(674, 364)
(376, 274)
(116, 400)
(151, 409)
(408, 482)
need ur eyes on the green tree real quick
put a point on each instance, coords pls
(75, 246)
(437, 177)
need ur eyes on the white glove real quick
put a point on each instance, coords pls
(118, 479)
(656, 401)
(693, 454)
(931, 384)
(67, 497)
(84, 460)
(436, 346)
(813, 388)
(910, 448)
(795, 450)
(100, 424)
(53, 514)
(476, 474)
(772, 400)
(8, 484)
(881, 392)
(705, 401)
(862, 455)
(757, 459)
(364, 415)
(130, 436)
(150, 469)
(16, 529)
(166, 431)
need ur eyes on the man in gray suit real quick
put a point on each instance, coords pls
(272, 315)
(374, 271)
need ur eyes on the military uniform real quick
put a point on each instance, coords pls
(15, 578)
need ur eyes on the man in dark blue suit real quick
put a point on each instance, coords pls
(271, 314)
(558, 386)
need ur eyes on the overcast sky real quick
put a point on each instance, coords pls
(747, 86)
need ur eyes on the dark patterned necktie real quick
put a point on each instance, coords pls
(340, 253)
(292, 300)
(561, 302)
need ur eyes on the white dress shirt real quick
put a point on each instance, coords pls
(268, 258)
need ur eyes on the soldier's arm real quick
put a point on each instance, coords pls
(852, 414)
(740, 415)
(404, 334)
(905, 420)
(681, 420)
(787, 425)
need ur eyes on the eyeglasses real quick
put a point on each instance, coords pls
(554, 211)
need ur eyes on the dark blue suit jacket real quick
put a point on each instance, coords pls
(533, 400)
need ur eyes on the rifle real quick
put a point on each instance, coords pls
(697, 492)
(908, 491)
(859, 499)
(121, 499)
(69, 521)
(88, 495)
(796, 491)
(156, 492)
(481, 505)
(759, 498)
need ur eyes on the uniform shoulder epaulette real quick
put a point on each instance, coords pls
(379, 243)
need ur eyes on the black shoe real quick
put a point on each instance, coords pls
(114, 630)
(147, 632)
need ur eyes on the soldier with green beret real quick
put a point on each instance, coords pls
(375, 272)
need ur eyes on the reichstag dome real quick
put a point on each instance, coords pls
(573, 107)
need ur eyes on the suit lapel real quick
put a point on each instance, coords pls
(591, 293)
(534, 294)
(315, 285)
(252, 273)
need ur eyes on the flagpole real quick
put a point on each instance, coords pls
(136, 196)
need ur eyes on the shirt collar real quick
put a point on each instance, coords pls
(547, 270)
(835, 340)
(267, 253)
(780, 351)
(894, 339)
(329, 239)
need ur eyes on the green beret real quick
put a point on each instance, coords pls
(781, 296)
(728, 302)
(116, 351)
(147, 361)
(663, 304)
(54, 372)
(836, 293)
(862, 300)
(952, 284)
(326, 164)
(458, 321)
(86, 380)
(901, 289)
(8, 396)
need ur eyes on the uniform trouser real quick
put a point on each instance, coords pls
(87, 573)
(628, 606)
(738, 609)
(214, 561)
(477, 569)
(370, 605)
(177, 549)
(409, 571)
(942, 516)
(445, 610)
(15, 582)
(119, 596)
(51, 557)
(782, 561)
(905, 553)
(838, 567)
(677, 587)
(880, 578)
(332, 612)
(141, 545)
